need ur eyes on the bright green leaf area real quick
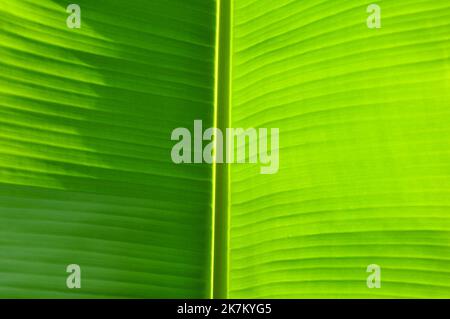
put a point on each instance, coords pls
(86, 175)
(364, 149)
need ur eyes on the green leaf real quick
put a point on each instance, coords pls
(364, 160)
(86, 175)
